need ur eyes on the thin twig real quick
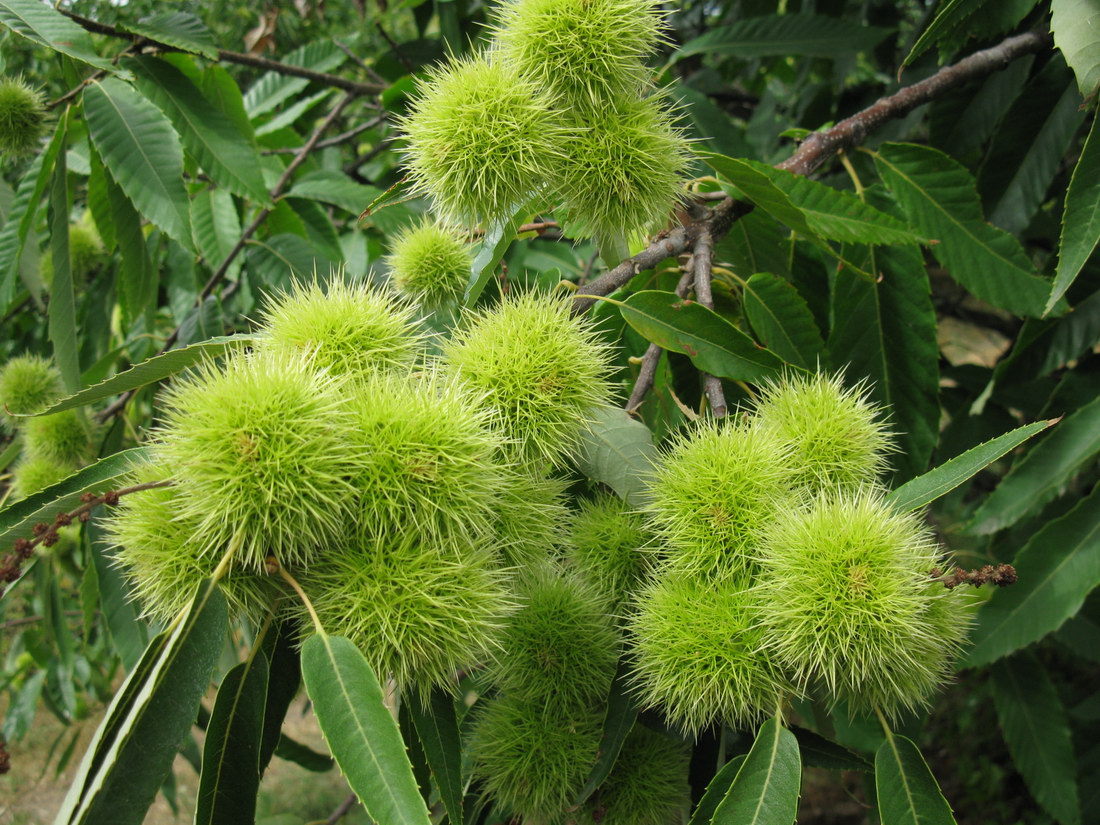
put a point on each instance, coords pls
(342, 810)
(701, 260)
(814, 151)
(409, 67)
(10, 624)
(652, 356)
(333, 141)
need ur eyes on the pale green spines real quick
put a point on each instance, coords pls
(621, 171)
(22, 117)
(698, 653)
(64, 437)
(264, 447)
(559, 648)
(530, 514)
(581, 52)
(34, 474)
(426, 456)
(28, 384)
(349, 329)
(606, 541)
(479, 139)
(714, 494)
(541, 369)
(835, 434)
(847, 604)
(534, 760)
(430, 262)
(86, 254)
(647, 786)
(163, 562)
(417, 611)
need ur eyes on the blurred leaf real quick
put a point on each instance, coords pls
(961, 124)
(1042, 472)
(1037, 733)
(938, 197)
(618, 451)
(304, 756)
(136, 278)
(127, 632)
(437, 729)
(711, 124)
(907, 792)
(925, 489)
(712, 343)
(177, 29)
(281, 258)
(273, 88)
(1076, 28)
(44, 25)
(1081, 217)
(806, 35)
(1050, 345)
(949, 15)
(335, 188)
(765, 791)
(219, 87)
(360, 731)
(1057, 569)
(782, 320)
(62, 309)
(142, 152)
(819, 752)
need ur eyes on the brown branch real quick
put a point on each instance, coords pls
(239, 58)
(333, 141)
(219, 274)
(815, 150)
(1001, 575)
(26, 620)
(701, 259)
(342, 810)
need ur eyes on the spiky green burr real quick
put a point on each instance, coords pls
(28, 384)
(541, 369)
(581, 52)
(418, 611)
(560, 647)
(621, 173)
(430, 262)
(836, 435)
(713, 495)
(699, 653)
(64, 437)
(86, 254)
(22, 116)
(648, 784)
(264, 447)
(848, 607)
(530, 518)
(349, 329)
(34, 474)
(479, 139)
(427, 458)
(608, 547)
(162, 560)
(533, 759)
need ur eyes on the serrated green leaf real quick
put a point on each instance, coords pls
(284, 679)
(437, 728)
(48, 27)
(216, 228)
(128, 633)
(759, 188)
(1040, 474)
(804, 35)
(757, 243)
(906, 791)
(154, 369)
(1057, 569)
(318, 226)
(836, 214)
(716, 791)
(1080, 219)
(97, 200)
(619, 719)
(925, 489)
(136, 277)
(1076, 28)
(1037, 734)
(335, 188)
(766, 789)
(712, 343)
(782, 320)
(938, 197)
(278, 260)
(62, 306)
(177, 29)
(289, 115)
(1050, 345)
(273, 88)
(819, 752)
(618, 451)
(361, 733)
(960, 124)
(948, 17)
(230, 777)
(142, 152)
(219, 87)
(132, 751)
(207, 133)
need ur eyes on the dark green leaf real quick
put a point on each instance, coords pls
(230, 777)
(363, 736)
(44, 25)
(1037, 733)
(282, 258)
(927, 488)
(618, 451)
(766, 789)
(177, 29)
(949, 16)
(142, 152)
(1050, 345)
(782, 320)
(1057, 569)
(126, 630)
(285, 676)
(759, 188)
(938, 197)
(136, 276)
(716, 791)
(806, 35)
(819, 752)
(437, 729)
(216, 228)
(494, 244)
(1081, 218)
(1042, 473)
(712, 343)
(906, 790)
(302, 755)
(618, 721)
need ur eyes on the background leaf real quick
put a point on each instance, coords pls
(782, 320)
(1081, 218)
(807, 35)
(1076, 28)
(437, 728)
(178, 29)
(618, 451)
